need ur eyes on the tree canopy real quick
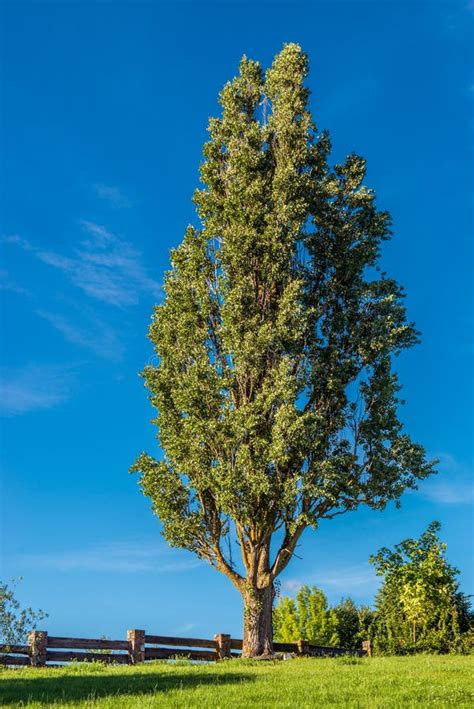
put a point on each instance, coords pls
(276, 399)
(419, 606)
(306, 618)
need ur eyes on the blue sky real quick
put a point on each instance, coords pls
(105, 107)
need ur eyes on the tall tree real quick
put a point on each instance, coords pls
(349, 623)
(419, 605)
(307, 618)
(276, 403)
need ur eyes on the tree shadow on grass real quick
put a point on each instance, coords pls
(70, 689)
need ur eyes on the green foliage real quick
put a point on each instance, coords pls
(347, 623)
(286, 621)
(419, 606)
(353, 623)
(366, 623)
(307, 618)
(274, 391)
(15, 622)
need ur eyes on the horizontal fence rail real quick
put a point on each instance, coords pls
(181, 642)
(88, 644)
(15, 654)
(44, 649)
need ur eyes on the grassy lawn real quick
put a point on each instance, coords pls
(436, 681)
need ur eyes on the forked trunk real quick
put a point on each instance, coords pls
(258, 627)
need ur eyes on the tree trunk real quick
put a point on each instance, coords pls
(258, 626)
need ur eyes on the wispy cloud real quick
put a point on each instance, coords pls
(101, 235)
(460, 493)
(112, 195)
(8, 284)
(121, 557)
(17, 240)
(349, 579)
(359, 576)
(184, 628)
(97, 337)
(103, 266)
(454, 483)
(33, 387)
(291, 586)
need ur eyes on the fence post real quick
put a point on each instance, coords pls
(136, 646)
(223, 646)
(303, 647)
(38, 644)
(367, 647)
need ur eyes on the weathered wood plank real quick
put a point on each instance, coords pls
(21, 649)
(87, 643)
(326, 650)
(161, 653)
(236, 644)
(12, 660)
(285, 647)
(71, 655)
(179, 642)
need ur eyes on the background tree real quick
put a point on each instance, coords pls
(419, 606)
(366, 625)
(307, 618)
(16, 622)
(347, 623)
(275, 396)
(286, 621)
(353, 623)
(318, 622)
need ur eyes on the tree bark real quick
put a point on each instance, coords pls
(258, 626)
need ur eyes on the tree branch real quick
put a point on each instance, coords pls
(286, 550)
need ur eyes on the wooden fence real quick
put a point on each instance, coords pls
(43, 649)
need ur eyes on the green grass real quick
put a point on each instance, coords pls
(422, 681)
